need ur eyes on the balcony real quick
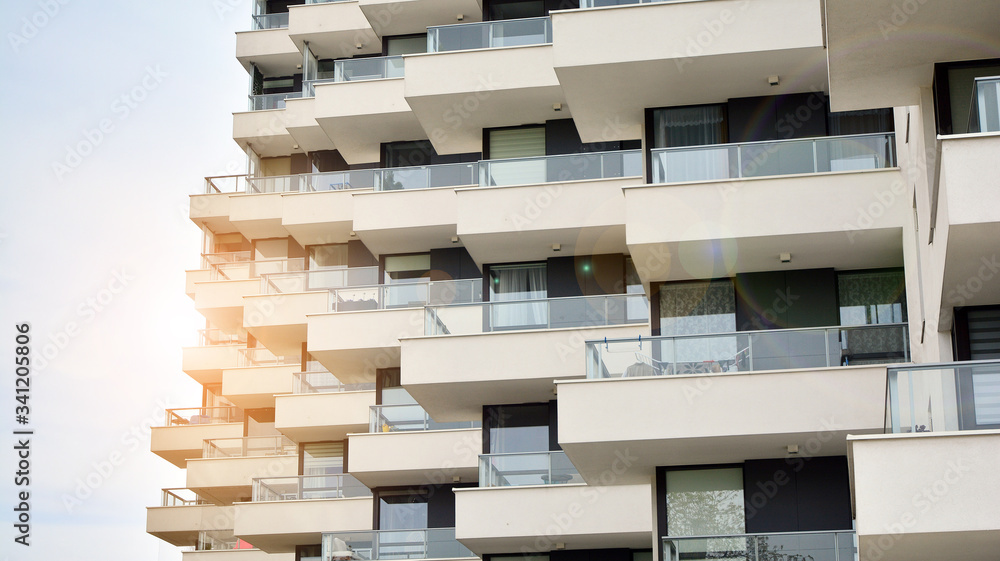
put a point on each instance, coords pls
(355, 344)
(321, 216)
(227, 466)
(221, 301)
(526, 361)
(255, 387)
(318, 280)
(406, 447)
(268, 46)
(430, 543)
(491, 70)
(890, 71)
(332, 29)
(323, 408)
(183, 515)
(860, 152)
(185, 430)
(547, 313)
(214, 542)
(387, 221)
(527, 468)
(615, 516)
(574, 200)
(828, 546)
(300, 122)
(718, 194)
(943, 420)
(968, 207)
(405, 295)
(265, 102)
(697, 390)
(665, 54)
(957, 396)
(291, 511)
(267, 130)
(362, 105)
(217, 350)
(278, 321)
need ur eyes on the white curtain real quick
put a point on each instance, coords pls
(521, 285)
(691, 126)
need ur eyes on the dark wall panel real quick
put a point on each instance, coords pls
(755, 294)
(811, 298)
(769, 493)
(359, 256)
(797, 494)
(591, 555)
(453, 263)
(561, 277)
(824, 494)
(800, 115)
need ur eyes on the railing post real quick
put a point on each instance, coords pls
(750, 352)
(815, 158)
(739, 161)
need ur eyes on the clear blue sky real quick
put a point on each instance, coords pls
(94, 241)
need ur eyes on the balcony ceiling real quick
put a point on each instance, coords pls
(404, 17)
(882, 51)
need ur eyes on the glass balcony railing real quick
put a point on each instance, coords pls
(203, 416)
(568, 167)
(245, 270)
(526, 468)
(985, 113)
(316, 280)
(220, 540)
(270, 21)
(426, 177)
(551, 313)
(212, 337)
(409, 417)
(749, 351)
(209, 259)
(489, 34)
(777, 157)
(312, 182)
(225, 184)
(264, 102)
(811, 546)
(308, 487)
(324, 382)
(249, 447)
(406, 295)
(943, 397)
(182, 497)
(371, 68)
(371, 545)
(584, 4)
(261, 356)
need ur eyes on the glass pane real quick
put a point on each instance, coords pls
(518, 428)
(405, 511)
(872, 297)
(705, 502)
(697, 307)
(329, 255)
(320, 458)
(521, 142)
(688, 126)
(406, 45)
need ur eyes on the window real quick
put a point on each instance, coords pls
(872, 297)
(522, 286)
(322, 458)
(405, 45)
(328, 255)
(689, 126)
(401, 269)
(402, 510)
(520, 142)
(518, 428)
(688, 308)
(705, 502)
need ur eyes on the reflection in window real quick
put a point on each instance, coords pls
(402, 510)
(322, 458)
(873, 297)
(688, 126)
(518, 428)
(705, 502)
(688, 308)
(328, 255)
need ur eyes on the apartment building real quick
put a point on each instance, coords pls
(600, 279)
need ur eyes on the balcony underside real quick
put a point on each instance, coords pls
(258, 216)
(320, 417)
(609, 100)
(205, 364)
(671, 53)
(416, 457)
(395, 17)
(353, 345)
(236, 555)
(181, 443)
(715, 229)
(257, 386)
(450, 378)
(333, 29)
(406, 221)
(229, 480)
(279, 526)
(715, 419)
(359, 116)
(180, 525)
(521, 223)
(481, 89)
(221, 302)
(270, 49)
(278, 321)
(302, 125)
(211, 211)
(318, 218)
(881, 51)
(266, 131)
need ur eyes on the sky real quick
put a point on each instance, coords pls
(114, 112)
